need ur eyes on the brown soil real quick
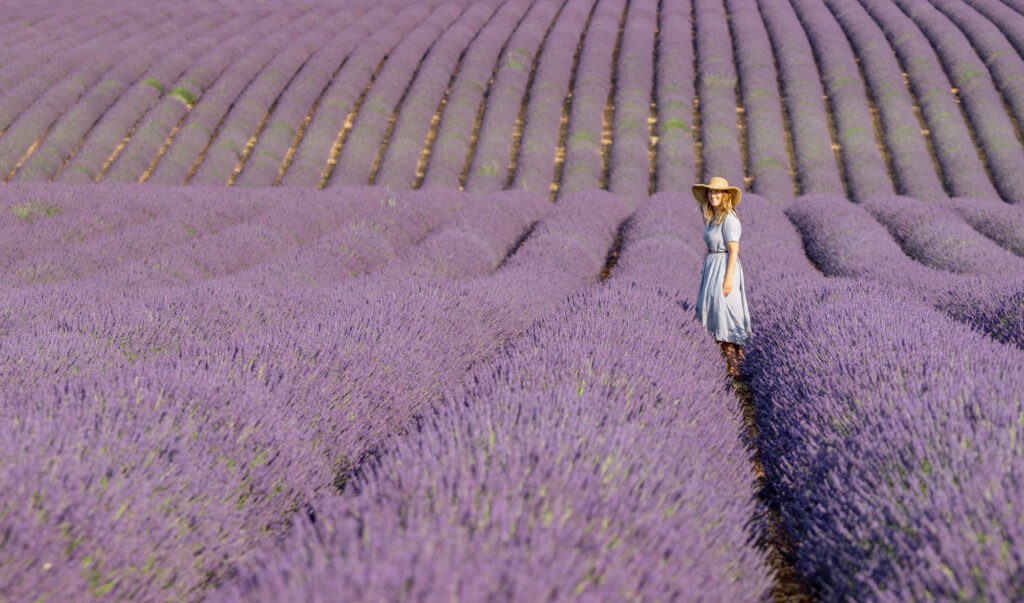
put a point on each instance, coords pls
(776, 540)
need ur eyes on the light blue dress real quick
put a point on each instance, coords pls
(726, 318)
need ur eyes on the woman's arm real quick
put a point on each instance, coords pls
(734, 254)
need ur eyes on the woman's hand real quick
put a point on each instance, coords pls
(727, 287)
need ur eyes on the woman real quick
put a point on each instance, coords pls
(721, 298)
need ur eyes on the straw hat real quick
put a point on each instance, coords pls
(700, 191)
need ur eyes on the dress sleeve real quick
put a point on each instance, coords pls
(731, 228)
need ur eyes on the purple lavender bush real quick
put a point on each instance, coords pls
(489, 163)
(844, 240)
(768, 163)
(994, 218)
(879, 422)
(363, 146)
(549, 472)
(909, 154)
(533, 162)
(631, 170)
(426, 97)
(450, 152)
(940, 238)
(675, 74)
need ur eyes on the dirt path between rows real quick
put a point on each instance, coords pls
(778, 543)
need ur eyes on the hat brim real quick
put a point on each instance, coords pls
(700, 192)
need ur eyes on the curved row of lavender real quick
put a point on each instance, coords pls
(286, 122)
(879, 417)
(957, 269)
(817, 167)
(631, 166)
(88, 161)
(864, 167)
(227, 368)
(767, 160)
(909, 149)
(21, 92)
(583, 166)
(532, 168)
(469, 94)
(218, 127)
(358, 157)
(310, 157)
(400, 164)
(139, 64)
(983, 86)
(290, 96)
(962, 165)
(491, 150)
(595, 455)
(33, 122)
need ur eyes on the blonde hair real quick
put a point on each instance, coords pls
(723, 210)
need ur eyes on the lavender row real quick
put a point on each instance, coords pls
(119, 122)
(583, 166)
(477, 240)
(1005, 18)
(939, 238)
(150, 133)
(716, 89)
(630, 170)
(993, 218)
(961, 163)
(313, 154)
(317, 364)
(75, 76)
(363, 145)
(845, 241)
(866, 171)
(258, 240)
(992, 44)
(68, 52)
(982, 102)
(558, 468)
(534, 159)
(908, 147)
(34, 55)
(384, 229)
(286, 123)
(582, 28)
(214, 104)
(489, 165)
(816, 163)
(214, 137)
(27, 31)
(81, 313)
(675, 76)
(58, 219)
(768, 165)
(32, 124)
(167, 245)
(423, 100)
(449, 154)
(70, 128)
(872, 462)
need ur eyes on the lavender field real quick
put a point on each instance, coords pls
(390, 300)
